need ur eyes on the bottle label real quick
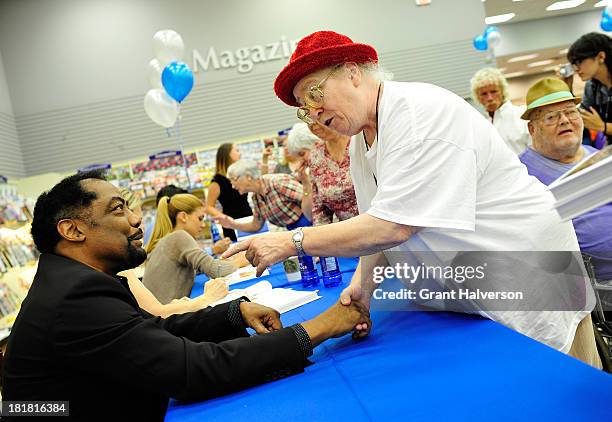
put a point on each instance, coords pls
(306, 264)
(330, 263)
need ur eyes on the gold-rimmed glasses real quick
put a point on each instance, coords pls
(314, 98)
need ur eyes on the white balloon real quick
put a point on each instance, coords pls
(162, 109)
(154, 71)
(168, 46)
(494, 38)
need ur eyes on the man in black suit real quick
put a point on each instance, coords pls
(81, 337)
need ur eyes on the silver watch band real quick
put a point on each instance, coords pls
(297, 238)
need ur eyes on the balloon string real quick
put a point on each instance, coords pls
(177, 128)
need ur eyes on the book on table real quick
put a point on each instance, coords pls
(281, 299)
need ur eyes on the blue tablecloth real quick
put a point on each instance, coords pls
(417, 365)
(264, 229)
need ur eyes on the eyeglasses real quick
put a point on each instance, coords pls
(314, 99)
(234, 179)
(552, 118)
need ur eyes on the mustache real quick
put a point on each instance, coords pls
(138, 235)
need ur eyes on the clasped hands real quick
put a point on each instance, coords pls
(335, 321)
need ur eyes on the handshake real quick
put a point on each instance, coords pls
(338, 320)
(350, 313)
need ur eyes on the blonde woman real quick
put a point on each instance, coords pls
(174, 257)
(213, 290)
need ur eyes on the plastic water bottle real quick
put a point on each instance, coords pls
(330, 271)
(310, 277)
(214, 232)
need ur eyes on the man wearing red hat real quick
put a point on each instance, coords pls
(433, 179)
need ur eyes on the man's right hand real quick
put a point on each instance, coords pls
(354, 293)
(226, 221)
(267, 152)
(336, 321)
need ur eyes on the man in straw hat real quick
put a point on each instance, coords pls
(556, 126)
(433, 179)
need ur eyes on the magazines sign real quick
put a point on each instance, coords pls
(243, 59)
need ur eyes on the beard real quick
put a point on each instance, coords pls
(135, 255)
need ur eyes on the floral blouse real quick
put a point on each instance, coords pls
(332, 187)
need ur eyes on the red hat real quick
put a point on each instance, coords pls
(316, 51)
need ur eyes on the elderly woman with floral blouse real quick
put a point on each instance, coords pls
(326, 154)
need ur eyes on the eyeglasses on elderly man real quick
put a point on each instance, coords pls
(552, 118)
(314, 98)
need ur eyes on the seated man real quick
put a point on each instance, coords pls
(556, 128)
(81, 337)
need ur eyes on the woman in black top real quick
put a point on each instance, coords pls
(220, 188)
(591, 57)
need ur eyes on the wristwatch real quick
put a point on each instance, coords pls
(298, 237)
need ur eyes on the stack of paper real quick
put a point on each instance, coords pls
(243, 274)
(282, 300)
(586, 186)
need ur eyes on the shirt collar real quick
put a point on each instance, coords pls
(265, 183)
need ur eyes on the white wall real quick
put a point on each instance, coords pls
(5, 98)
(11, 160)
(63, 53)
(76, 68)
(546, 33)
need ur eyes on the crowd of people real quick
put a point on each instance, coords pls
(390, 172)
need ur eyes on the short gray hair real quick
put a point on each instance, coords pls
(300, 138)
(244, 168)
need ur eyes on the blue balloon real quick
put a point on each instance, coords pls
(480, 43)
(488, 30)
(604, 13)
(177, 80)
(606, 24)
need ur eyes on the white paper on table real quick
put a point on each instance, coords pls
(283, 300)
(243, 274)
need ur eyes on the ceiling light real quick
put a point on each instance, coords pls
(568, 4)
(540, 63)
(514, 74)
(523, 58)
(602, 3)
(492, 20)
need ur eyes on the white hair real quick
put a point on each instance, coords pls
(300, 138)
(376, 71)
(489, 76)
(244, 168)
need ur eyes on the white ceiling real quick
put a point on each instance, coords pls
(545, 60)
(532, 9)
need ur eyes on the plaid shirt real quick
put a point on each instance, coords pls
(281, 201)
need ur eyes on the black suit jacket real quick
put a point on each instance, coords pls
(80, 336)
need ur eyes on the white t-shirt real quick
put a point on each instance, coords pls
(513, 130)
(439, 164)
